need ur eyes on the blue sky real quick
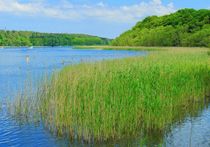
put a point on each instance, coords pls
(106, 18)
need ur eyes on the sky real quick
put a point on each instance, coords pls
(104, 18)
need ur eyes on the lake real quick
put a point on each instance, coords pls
(18, 65)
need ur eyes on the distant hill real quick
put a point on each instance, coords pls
(186, 27)
(27, 38)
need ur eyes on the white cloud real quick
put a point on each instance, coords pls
(100, 11)
(101, 4)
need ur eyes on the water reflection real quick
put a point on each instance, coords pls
(17, 65)
(191, 128)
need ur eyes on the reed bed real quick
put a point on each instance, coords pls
(111, 100)
(208, 53)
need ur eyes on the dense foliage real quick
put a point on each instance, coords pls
(186, 27)
(25, 38)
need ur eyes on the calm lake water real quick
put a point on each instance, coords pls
(17, 65)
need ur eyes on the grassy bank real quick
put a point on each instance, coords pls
(116, 99)
(140, 48)
(108, 47)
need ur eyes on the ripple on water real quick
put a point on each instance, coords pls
(17, 64)
(192, 132)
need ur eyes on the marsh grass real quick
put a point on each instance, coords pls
(208, 53)
(111, 100)
(108, 47)
(138, 48)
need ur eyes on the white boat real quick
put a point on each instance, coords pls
(31, 47)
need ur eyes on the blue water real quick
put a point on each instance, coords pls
(17, 65)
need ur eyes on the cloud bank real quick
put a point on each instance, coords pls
(66, 10)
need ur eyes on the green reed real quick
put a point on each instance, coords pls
(111, 100)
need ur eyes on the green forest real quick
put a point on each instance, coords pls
(26, 38)
(186, 27)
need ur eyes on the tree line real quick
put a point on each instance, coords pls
(186, 27)
(27, 38)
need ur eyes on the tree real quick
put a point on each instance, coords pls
(186, 27)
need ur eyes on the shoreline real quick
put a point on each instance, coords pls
(30, 46)
(144, 87)
(107, 47)
(143, 48)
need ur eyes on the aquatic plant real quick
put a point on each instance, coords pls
(115, 99)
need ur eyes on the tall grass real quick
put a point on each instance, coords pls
(116, 99)
(208, 53)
